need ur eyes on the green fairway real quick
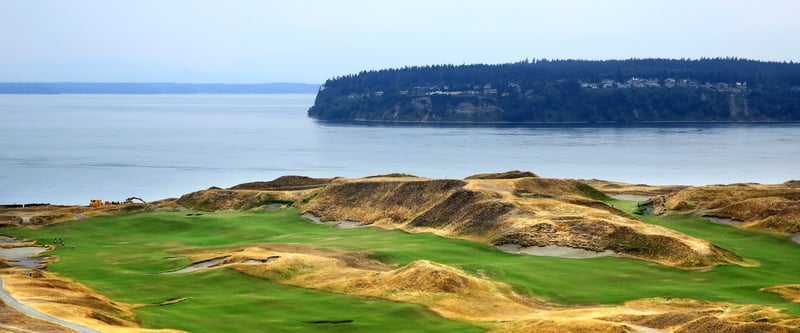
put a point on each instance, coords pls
(117, 254)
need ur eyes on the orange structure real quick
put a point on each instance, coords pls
(95, 203)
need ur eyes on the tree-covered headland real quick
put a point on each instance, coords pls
(554, 91)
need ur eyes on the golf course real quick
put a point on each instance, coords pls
(124, 257)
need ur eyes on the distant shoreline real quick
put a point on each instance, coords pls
(566, 123)
(153, 88)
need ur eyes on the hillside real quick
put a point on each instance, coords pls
(522, 214)
(762, 207)
(542, 91)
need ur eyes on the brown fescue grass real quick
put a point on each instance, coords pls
(790, 292)
(225, 200)
(65, 299)
(455, 294)
(619, 188)
(285, 183)
(763, 207)
(447, 291)
(39, 216)
(527, 211)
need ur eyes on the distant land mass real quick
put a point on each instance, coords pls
(154, 88)
(566, 91)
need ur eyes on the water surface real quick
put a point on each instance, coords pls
(67, 149)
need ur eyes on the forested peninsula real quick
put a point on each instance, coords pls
(564, 91)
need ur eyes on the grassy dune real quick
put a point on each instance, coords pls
(116, 255)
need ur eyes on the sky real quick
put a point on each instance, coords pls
(249, 41)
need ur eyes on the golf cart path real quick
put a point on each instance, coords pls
(14, 303)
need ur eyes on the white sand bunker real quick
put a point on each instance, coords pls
(198, 266)
(340, 224)
(21, 256)
(722, 220)
(555, 251)
(630, 197)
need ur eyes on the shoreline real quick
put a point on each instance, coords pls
(566, 123)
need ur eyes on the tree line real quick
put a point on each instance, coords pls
(714, 89)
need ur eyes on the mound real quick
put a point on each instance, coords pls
(618, 188)
(380, 201)
(49, 214)
(686, 315)
(503, 175)
(444, 289)
(764, 207)
(285, 183)
(219, 199)
(393, 175)
(68, 300)
(426, 276)
(790, 292)
(522, 211)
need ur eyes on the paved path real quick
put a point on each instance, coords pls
(14, 303)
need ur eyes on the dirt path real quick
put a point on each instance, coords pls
(14, 303)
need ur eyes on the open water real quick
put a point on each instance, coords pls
(67, 149)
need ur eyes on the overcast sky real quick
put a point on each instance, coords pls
(310, 41)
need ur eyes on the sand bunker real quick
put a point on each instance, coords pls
(555, 251)
(21, 256)
(795, 237)
(339, 224)
(198, 265)
(7, 240)
(261, 261)
(630, 197)
(722, 220)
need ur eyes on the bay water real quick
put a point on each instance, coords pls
(67, 149)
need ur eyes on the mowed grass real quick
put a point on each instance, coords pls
(116, 256)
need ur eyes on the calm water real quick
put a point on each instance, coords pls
(69, 148)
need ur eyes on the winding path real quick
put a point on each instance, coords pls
(29, 311)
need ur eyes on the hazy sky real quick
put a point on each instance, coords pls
(310, 41)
